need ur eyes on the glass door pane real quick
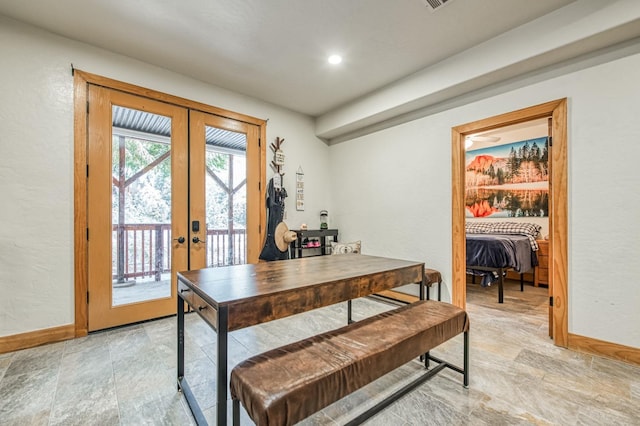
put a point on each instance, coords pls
(225, 203)
(225, 197)
(141, 206)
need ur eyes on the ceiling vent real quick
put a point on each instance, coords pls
(434, 5)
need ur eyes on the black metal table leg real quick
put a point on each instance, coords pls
(221, 384)
(180, 339)
(183, 385)
(466, 360)
(236, 412)
(424, 287)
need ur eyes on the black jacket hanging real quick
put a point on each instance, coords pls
(275, 215)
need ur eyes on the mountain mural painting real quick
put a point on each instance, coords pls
(510, 180)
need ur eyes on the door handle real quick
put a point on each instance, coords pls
(180, 240)
(197, 240)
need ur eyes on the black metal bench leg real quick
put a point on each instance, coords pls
(236, 412)
(427, 288)
(466, 359)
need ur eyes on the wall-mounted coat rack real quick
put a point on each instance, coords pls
(277, 164)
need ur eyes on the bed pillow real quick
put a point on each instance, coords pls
(344, 248)
(524, 228)
(477, 227)
(530, 230)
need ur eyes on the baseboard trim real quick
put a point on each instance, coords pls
(604, 349)
(36, 338)
(576, 342)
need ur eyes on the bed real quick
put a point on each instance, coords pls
(494, 248)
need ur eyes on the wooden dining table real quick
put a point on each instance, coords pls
(234, 297)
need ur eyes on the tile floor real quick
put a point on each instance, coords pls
(126, 376)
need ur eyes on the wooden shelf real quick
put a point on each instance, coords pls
(514, 275)
(296, 249)
(542, 270)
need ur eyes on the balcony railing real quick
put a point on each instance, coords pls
(144, 250)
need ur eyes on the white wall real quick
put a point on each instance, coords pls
(392, 190)
(36, 163)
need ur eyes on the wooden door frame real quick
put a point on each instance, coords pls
(558, 210)
(81, 82)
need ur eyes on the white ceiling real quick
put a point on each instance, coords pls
(513, 133)
(276, 50)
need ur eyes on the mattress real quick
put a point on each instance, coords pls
(498, 251)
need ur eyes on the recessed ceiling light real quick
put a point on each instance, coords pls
(335, 59)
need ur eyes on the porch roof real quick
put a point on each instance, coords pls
(159, 125)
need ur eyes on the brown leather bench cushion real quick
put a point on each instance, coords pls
(431, 276)
(287, 384)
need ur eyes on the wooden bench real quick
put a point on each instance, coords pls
(287, 384)
(431, 277)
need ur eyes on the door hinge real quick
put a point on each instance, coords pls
(87, 170)
(259, 186)
(87, 107)
(87, 234)
(259, 229)
(551, 301)
(550, 141)
(259, 142)
(87, 297)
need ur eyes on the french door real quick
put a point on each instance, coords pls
(137, 207)
(168, 189)
(224, 174)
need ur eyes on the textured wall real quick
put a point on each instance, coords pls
(393, 190)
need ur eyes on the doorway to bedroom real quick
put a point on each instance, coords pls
(529, 160)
